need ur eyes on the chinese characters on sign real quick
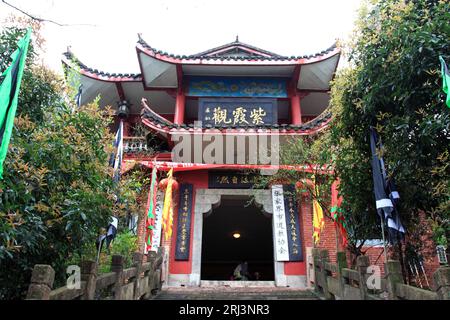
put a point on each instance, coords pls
(237, 112)
(156, 236)
(237, 87)
(230, 180)
(279, 224)
(292, 223)
(286, 224)
(184, 222)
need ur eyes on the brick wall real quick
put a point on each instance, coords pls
(328, 235)
(376, 256)
(431, 263)
(428, 251)
(428, 247)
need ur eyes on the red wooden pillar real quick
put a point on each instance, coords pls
(126, 128)
(179, 108)
(296, 112)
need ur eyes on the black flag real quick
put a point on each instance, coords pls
(382, 187)
(78, 96)
(395, 226)
(383, 203)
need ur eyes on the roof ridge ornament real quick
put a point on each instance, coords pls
(237, 38)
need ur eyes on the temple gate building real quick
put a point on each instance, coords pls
(217, 114)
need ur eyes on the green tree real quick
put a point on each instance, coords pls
(393, 83)
(57, 192)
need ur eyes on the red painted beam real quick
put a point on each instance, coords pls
(182, 166)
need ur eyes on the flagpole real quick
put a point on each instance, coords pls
(98, 251)
(384, 239)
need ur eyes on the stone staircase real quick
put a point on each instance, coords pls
(230, 293)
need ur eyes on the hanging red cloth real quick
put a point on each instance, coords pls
(338, 214)
(151, 205)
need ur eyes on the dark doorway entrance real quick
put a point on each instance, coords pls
(234, 232)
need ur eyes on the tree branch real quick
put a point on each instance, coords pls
(44, 20)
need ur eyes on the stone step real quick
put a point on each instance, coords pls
(235, 294)
(236, 284)
(227, 297)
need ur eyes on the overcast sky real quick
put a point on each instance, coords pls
(293, 27)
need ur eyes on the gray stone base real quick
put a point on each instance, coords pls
(183, 280)
(236, 284)
(291, 281)
(296, 282)
(190, 280)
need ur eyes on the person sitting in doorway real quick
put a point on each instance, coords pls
(241, 272)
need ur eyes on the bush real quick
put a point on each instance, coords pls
(394, 84)
(57, 192)
(125, 244)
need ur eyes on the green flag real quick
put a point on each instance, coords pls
(9, 94)
(445, 80)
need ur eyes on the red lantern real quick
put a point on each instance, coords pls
(174, 185)
(165, 182)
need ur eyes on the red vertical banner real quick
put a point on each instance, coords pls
(337, 213)
(151, 204)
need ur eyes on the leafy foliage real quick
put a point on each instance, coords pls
(394, 84)
(57, 192)
(125, 244)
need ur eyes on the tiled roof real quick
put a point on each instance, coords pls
(204, 56)
(236, 43)
(124, 76)
(162, 124)
(148, 113)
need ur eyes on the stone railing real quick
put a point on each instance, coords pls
(135, 145)
(336, 281)
(141, 281)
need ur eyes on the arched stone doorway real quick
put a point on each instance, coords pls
(208, 199)
(205, 201)
(237, 231)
